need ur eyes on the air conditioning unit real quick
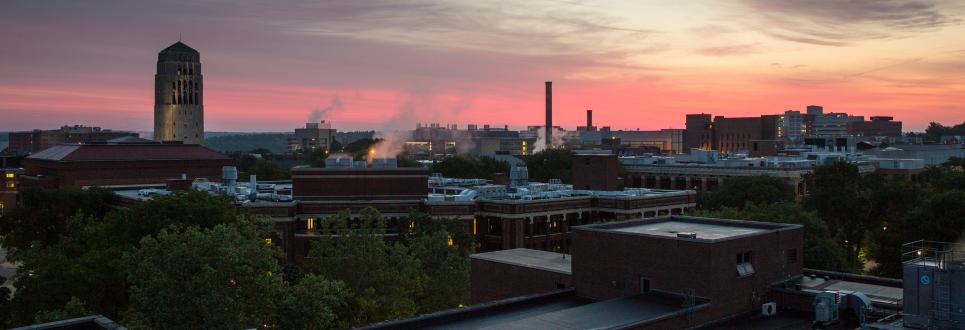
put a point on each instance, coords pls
(769, 309)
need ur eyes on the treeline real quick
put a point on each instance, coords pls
(853, 222)
(276, 143)
(193, 260)
(935, 131)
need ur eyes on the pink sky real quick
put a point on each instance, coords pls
(388, 64)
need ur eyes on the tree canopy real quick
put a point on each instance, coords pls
(738, 191)
(550, 164)
(470, 167)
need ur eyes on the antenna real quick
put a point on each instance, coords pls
(179, 36)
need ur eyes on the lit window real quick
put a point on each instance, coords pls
(268, 241)
(310, 224)
(11, 185)
(474, 226)
(449, 241)
(1, 206)
(10, 175)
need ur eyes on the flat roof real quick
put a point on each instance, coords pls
(615, 313)
(880, 294)
(549, 261)
(702, 230)
(706, 229)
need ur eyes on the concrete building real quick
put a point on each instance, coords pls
(179, 95)
(37, 140)
(314, 136)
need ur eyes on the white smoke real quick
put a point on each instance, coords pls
(334, 105)
(541, 139)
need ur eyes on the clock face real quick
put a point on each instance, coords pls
(924, 279)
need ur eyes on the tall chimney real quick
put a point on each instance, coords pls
(589, 120)
(549, 114)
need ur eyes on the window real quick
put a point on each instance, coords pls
(744, 266)
(11, 185)
(310, 224)
(792, 256)
(268, 241)
(10, 175)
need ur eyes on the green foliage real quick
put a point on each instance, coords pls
(73, 309)
(821, 250)
(42, 216)
(269, 170)
(737, 191)
(470, 167)
(314, 303)
(938, 217)
(843, 198)
(935, 131)
(243, 161)
(550, 164)
(316, 158)
(426, 273)
(277, 143)
(212, 278)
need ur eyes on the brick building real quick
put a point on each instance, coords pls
(729, 134)
(37, 140)
(877, 126)
(81, 165)
(596, 172)
(662, 273)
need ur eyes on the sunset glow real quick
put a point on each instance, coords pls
(638, 64)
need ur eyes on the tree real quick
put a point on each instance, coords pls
(73, 309)
(821, 251)
(86, 261)
(442, 248)
(314, 303)
(204, 278)
(939, 217)
(42, 216)
(735, 192)
(840, 195)
(392, 278)
(269, 170)
(470, 167)
(550, 164)
(316, 157)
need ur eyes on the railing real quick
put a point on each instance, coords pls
(941, 255)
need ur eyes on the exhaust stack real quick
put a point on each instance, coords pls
(549, 114)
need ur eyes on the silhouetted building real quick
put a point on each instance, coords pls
(179, 95)
(313, 136)
(37, 140)
(82, 165)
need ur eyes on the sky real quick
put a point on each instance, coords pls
(389, 64)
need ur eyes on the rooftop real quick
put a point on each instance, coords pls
(691, 228)
(551, 261)
(126, 152)
(180, 47)
(556, 310)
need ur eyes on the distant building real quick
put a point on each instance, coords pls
(729, 134)
(83, 165)
(179, 95)
(877, 126)
(37, 140)
(313, 137)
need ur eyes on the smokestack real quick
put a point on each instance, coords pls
(589, 119)
(549, 114)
